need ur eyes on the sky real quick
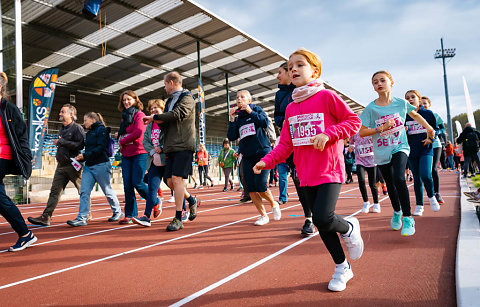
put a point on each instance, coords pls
(355, 38)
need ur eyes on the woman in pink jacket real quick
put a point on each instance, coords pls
(134, 156)
(314, 128)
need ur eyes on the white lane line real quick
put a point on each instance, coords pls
(131, 251)
(250, 267)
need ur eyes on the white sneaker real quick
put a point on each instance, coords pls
(418, 211)
(377, 208)
(277, 213)
(172, 199)
(353, 239)
(340, 278)
(434, 204)
(366, 207)
(262, 220)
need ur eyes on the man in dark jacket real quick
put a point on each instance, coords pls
(70, 142)
(178, 122)
(469, 139)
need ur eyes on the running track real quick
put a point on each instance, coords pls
(221, 258)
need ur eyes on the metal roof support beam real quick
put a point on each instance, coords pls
(228, 97)
(18, 54)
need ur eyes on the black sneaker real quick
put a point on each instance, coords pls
(116, 217)
(143, 221)
(175, 225)
(282, 202)
(23, 242)
(308, 229)
(245, 199)
(193, 209)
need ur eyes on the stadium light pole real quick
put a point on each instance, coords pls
(443, 54)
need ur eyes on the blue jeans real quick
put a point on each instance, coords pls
(238, 174)
(422, 175)
(133, 171)
(282, 181)
(450, 162)
(96, 173)
(155, 176)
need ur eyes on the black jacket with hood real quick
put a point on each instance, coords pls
(16, 130)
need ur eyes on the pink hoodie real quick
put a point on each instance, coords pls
(132, 142)
(315, 167)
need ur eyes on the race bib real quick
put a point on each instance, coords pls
(415, 128)
(247, 130)
(155, 136)
(398, 124)
(365, 150)
(305, 126)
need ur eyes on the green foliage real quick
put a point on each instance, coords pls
(462, 118)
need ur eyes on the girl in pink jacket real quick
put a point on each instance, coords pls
(314, 128)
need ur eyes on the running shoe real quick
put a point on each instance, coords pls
(232, 187)
(185, 215)
(224, 190)
(439, 198)
(77, 222)
(434, 204)
(245, 199)
(175, 225)
(193, 209)
(282, 202)
(195, 186)
(157, 209)
(396, 221)
(23, 242)
(143, 221)
(408, 226)
(340, 278)
(125, 220)
(418, 210)
(353, 239)
(172, 199)
(366, 207)
(262, 220)
(43, 220)
(376, 208)
(115, 217)
(277, 213)
(308, 229)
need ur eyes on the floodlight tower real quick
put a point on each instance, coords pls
(443, 54)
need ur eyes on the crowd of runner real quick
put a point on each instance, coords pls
(322, 141)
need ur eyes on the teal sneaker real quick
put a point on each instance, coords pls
(408, 226)
(396, 221)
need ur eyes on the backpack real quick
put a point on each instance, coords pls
(110, 144)
(471, 141)
(270, 131)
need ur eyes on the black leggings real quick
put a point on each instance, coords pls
(380, 176)
(394, 175)
(372, 182)
(322, 200)
(204, 169)
(436, 158)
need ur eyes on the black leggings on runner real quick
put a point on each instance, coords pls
(203, 169)
(394, 175)
(436, 158)
(372, 182)
(322, 200)
(380, 176)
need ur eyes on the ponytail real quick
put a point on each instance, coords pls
(96, 116)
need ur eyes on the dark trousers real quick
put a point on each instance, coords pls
(469, 159)
(226, 172)
(155, 176)
(300, 192)
(394, 175)
(242, 178)
(63, 174)
(7, 208)
(372, 182)
(322, 200)
(203, 169)
(349, 170)
(436, 158)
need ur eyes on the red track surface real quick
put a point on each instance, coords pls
(111, 264)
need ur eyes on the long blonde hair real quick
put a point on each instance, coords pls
(3, 85)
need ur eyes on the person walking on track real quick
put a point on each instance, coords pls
(178, 122)
(15, 158)
(364, 160)
(421, 153)
(247, 122)
(226, 160)
(384, 119)
(97, 169)
(315, 125)
(70, 142)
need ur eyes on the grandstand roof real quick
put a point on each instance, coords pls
(144, 39)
